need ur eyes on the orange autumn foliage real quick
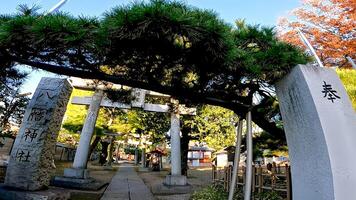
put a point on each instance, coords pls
(329, 25)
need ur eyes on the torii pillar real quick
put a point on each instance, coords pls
(79, 169)
(176, 178)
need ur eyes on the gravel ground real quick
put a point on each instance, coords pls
(197, 178)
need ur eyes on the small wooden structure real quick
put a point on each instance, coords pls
(277, 179)
(64, 152)
(156, 159)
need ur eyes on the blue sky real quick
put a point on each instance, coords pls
(264, 12)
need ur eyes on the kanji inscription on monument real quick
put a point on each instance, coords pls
(30, 134)
(22, 156)
(37, 115)
(33, 151)
(329, 92)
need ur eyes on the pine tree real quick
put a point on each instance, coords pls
(12, 104)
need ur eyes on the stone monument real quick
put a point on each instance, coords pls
(32, 155)
(30, 166)
(320, 126)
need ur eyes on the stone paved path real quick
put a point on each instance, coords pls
(127, 185)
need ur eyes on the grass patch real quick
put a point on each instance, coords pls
(216, 192)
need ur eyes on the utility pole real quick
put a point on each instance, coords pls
(348, 58)
(56, 7)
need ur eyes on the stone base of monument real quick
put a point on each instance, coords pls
(9, 193)
(173, 184)
(78, 183)
(76, 173)
(175, 180)
(163, 189)
(108, 167)
(75, 178)
(143, 169)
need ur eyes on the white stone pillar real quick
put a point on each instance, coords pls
(143, 158)
(176, 178)
(320, 126)
(81, 155)
(80, 160)
(110, 150)
(175, 140)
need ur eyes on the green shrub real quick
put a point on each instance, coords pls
(216, 192)
(212, 192)
(270, 195)
(348, 78)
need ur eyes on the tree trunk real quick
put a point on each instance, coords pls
(111, 149)
(104, 152)
(267, 126)
(93, 146)
(184, 151)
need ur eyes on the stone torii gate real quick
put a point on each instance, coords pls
(79, 169)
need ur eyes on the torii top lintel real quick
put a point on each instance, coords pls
(139, 101)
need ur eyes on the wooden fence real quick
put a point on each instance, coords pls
(64, 152)
(277, 179)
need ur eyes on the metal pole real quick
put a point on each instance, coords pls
(236, 160)
(56, 7)
(351, 62)
(247, 192)
(307, 43)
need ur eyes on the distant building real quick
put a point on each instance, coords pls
(199, 156)
(226, 157)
